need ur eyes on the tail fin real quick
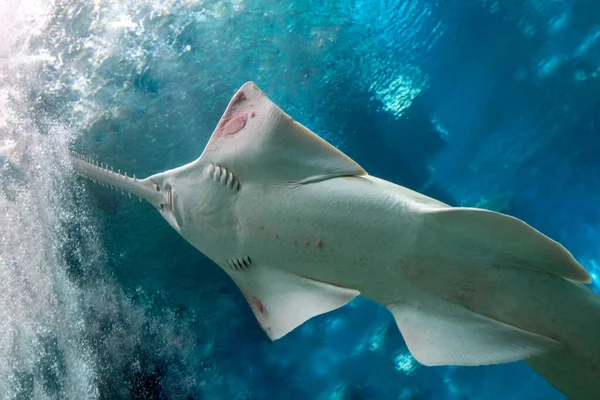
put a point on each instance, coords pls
(470, 236)
(576, 377)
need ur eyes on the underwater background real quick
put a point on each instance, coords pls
(487, 103)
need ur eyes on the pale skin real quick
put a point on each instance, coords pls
(302, 229)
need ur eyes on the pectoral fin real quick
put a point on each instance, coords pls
(442, 333)
(260, 143)
(282, 301)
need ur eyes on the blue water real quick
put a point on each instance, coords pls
(488, 103)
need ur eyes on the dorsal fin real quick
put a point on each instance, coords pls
(259, 142)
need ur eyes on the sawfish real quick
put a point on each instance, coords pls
(302, 229)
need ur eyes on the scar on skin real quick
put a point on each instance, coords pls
(259, 305)
(255, 301)
(239, 97)
(235, 124)
(319, 244)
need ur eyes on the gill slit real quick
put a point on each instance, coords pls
(240, 263)
(225, 177)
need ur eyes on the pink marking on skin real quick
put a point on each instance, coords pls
(319, 244)
(240, 96)
(260, 306)
(234, 124)
(254, 302)
(252, 114)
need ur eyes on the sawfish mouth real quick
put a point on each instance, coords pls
(164, 199)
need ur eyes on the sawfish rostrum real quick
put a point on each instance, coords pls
(302, 229)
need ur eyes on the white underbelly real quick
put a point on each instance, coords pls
(349, 231)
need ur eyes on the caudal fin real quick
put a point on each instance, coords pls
(501, 267)
(576, 377)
